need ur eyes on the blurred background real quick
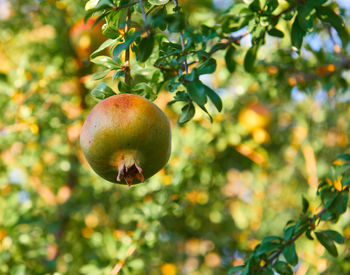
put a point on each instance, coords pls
(227, 185)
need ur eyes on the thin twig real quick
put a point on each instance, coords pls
(144, 15)
(229, 41)
(127, 51)
(125, 6)
(182, 41)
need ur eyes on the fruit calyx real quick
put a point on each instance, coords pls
(130, 173)
(128, 168)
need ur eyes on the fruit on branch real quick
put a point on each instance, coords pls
(126, 138)
(85, 37)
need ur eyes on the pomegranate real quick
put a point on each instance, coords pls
(126, 137)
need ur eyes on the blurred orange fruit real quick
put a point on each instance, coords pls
(254, 116)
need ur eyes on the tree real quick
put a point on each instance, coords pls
(257, 95)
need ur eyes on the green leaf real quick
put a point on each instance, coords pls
(341, 202)
(102, 47)
(107, 62)
(327, 196)
(269, 244)
(102, 91)
(234, 269)
(288, 233)
(187, 114)
(305, 204)
(214, 98)
(158, 2)
(271, 5)
(290, 254)
(123, 46)
(275, 32)
(229, 59)
(100, 75)
(196, 90)
(297, 34)
(250, 58)
(305, 17)
(239, 8)
(282, 268)
(145, 48)
(208, 67)
(333, 235)
(327, 14)
(258, 32)
(316, 3)
(110, 32)
(118, 73)
(308, 234)
(327, 243)
(267, 271)
(344, 157)
(102, 4)
(255, 6)
(123, 88)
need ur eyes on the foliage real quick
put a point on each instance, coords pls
(276, 71)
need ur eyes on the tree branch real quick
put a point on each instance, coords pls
(182, 42)
(311, 225)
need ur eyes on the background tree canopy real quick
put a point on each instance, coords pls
(260, 112)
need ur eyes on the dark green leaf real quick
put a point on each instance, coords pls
(110, 32)
(123, 88)
(255, 6)
(123, 46)
(102, 91)
(327, 14)
(102, 47)
(327, 196)
(187, 114)
(297, 34)
(276, 32)
(145, 48)
(288, 233)
(305, 204)
(250, 58)
(341, 203)
(333, 235)
(192, 76)
(327, 243)
(308, 234)
(214, 98)
(196, 90)
(208, 67)
(268, 245)
(229, 59)
(305, 17)
(234, 269)
(282, 268)
(100, 75)
(344, 157)
(290, 254)
(271, 5)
